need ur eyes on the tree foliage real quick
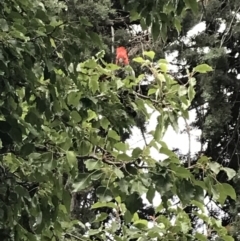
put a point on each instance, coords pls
(61, 134)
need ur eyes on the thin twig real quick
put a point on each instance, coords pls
(189, 142)
(229, 28)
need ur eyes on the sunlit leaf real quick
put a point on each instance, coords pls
(71, 157)
(150, 54)
(4, 25)
(193, 5)
(229, 190)
(104, 204)
(215, 167)
(202, 68)
(230, 172)
(92, 164)
(139, 60)
(84, 182)
(113, 134)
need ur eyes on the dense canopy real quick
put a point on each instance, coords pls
(67, 110)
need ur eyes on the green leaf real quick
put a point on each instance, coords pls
(155, 30)
(181, 171)
(134, 16)
(53, 43)
(34, 156)
(167, 152)
(104, 204)
(66, 198)
(185, 192)
(46, 157)
(202, 68)
(16, 134)
(4, 25)
(85, 148)
(193, 5)
(229, 190)
(94, 83)
(150, 54)
(141, 224)
(94, 232)
(85, 22)
(71, 158)
(163, 31)
(151, 91)
(230, 172)
(177, 25)
(201, 237)
(159, 131)
(182, 90)
(174, 121)
(91, 115)
(113, 134)
(96, 175)
(73, 98)
(92, 164)
(203, 160)
(101, 217)
(104, 194)
(83, 183)
(136, 152)
(127, 216)
(150, 194)
(227, 238)
(118, 172)
(121, 146)
(124, 157)
(215, 167)
(100, 54)
(104, 123)
(143, 24)
(139, 60)
(200, 205)
(95, 38)
(191, 92)
(138, 187)
(75, 116)
(120, 83)
(27, 149)
(219, 193)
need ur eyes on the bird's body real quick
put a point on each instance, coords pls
(122, 56)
